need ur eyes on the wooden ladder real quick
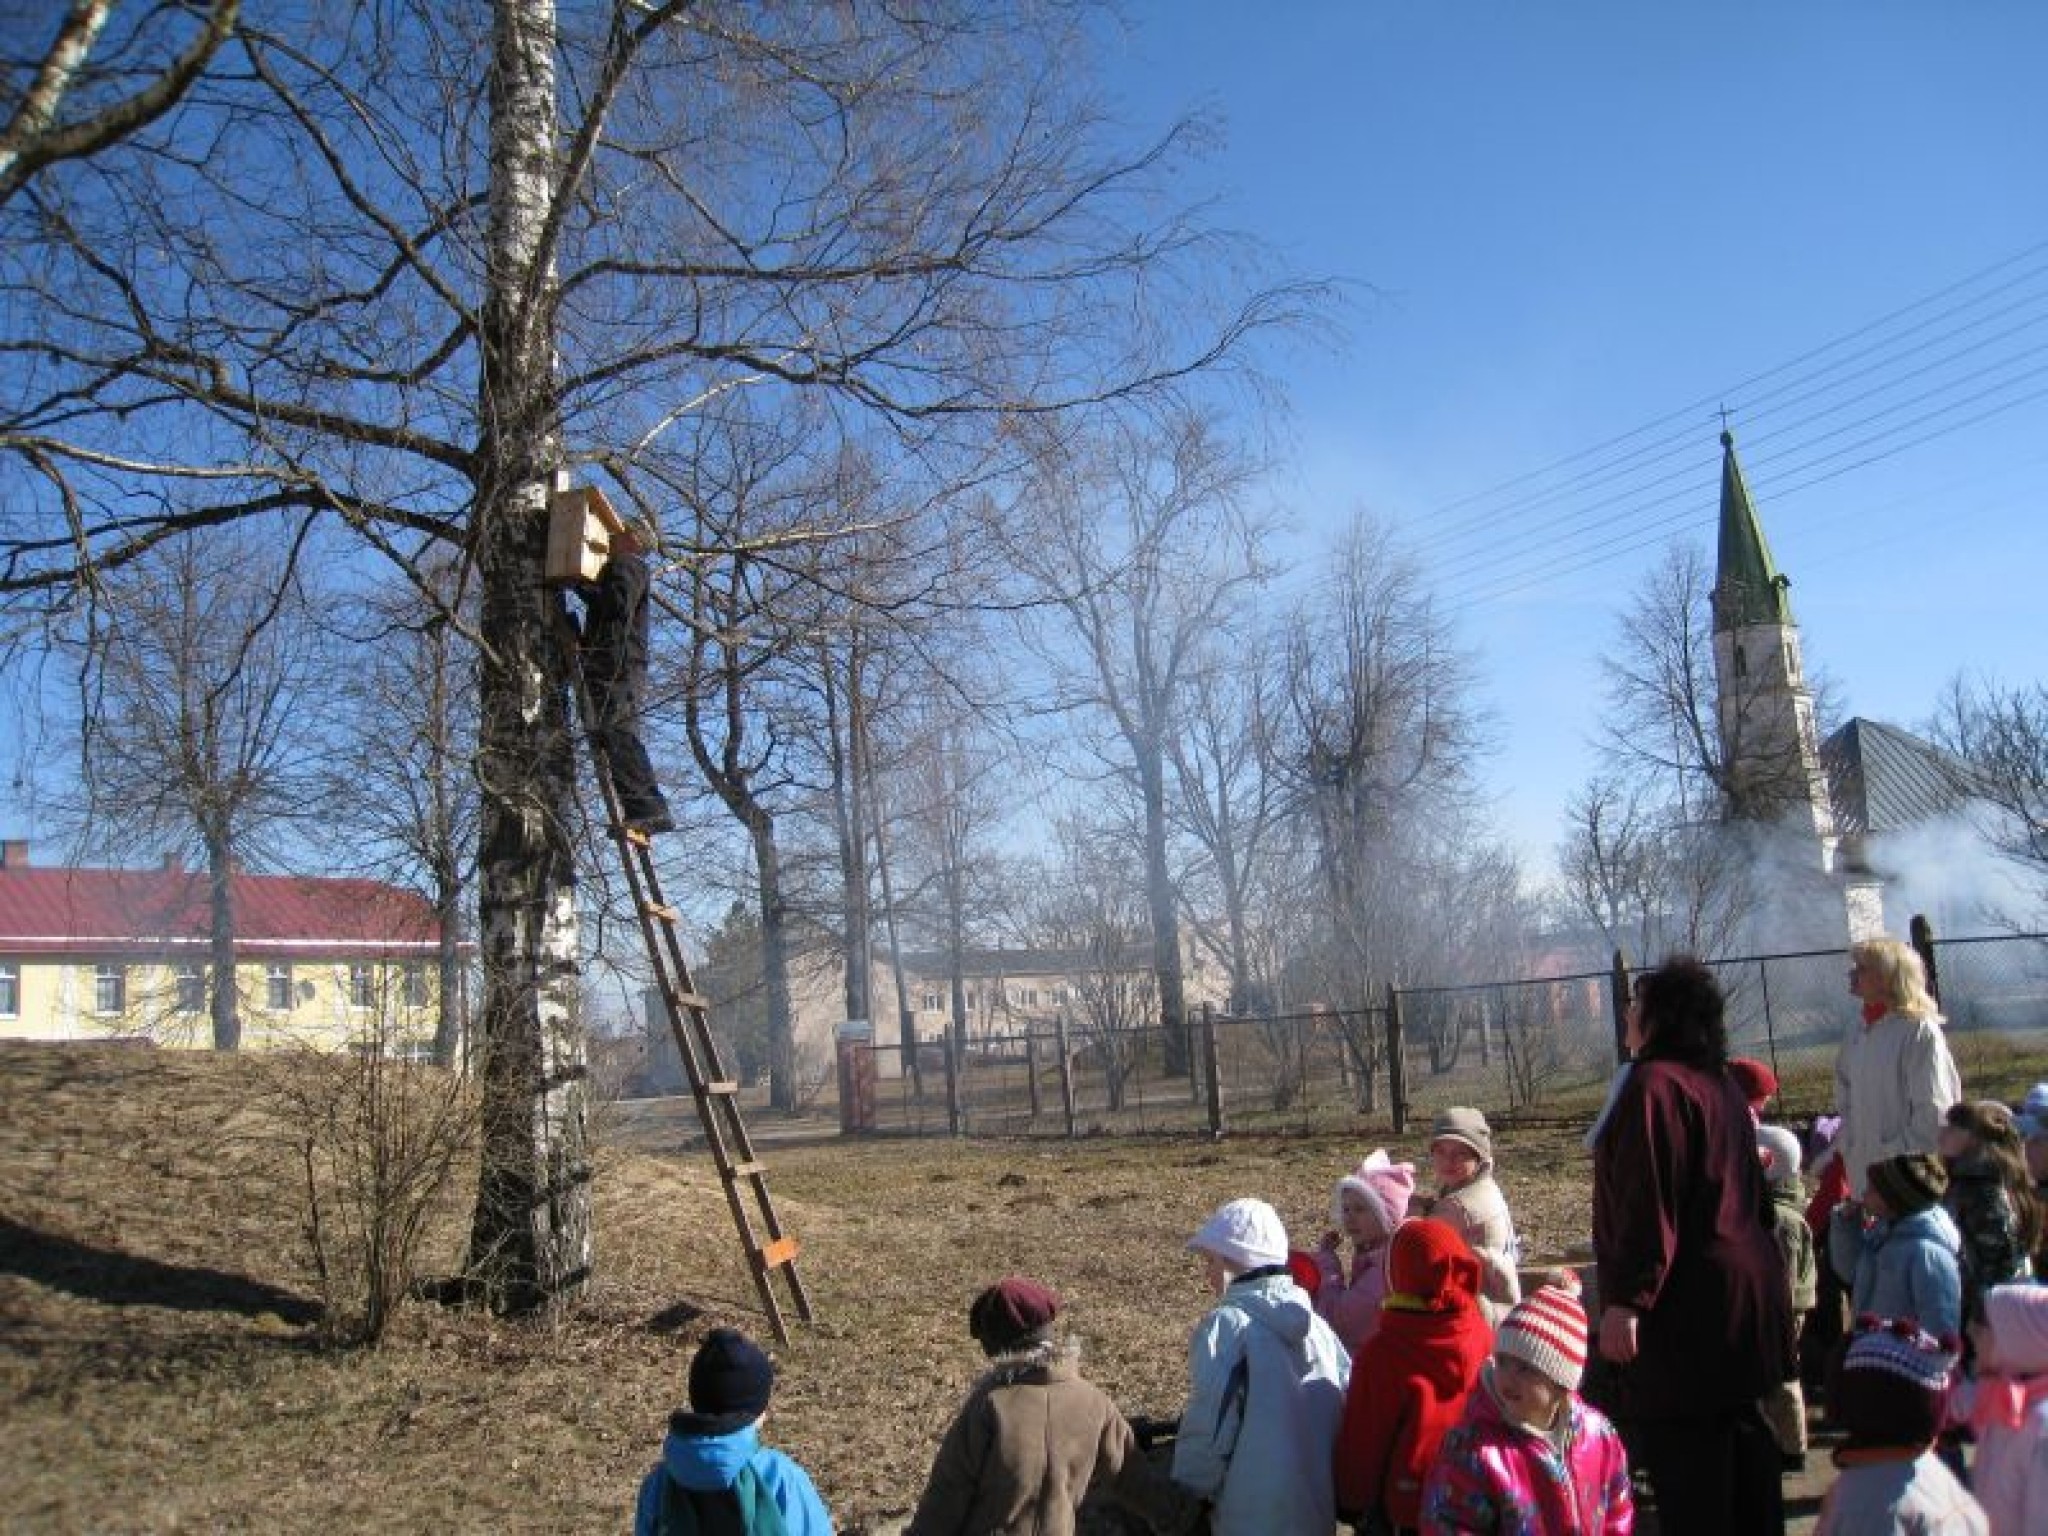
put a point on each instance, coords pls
(714, 1089)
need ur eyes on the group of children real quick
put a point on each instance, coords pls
(1415, 1388)
(1949, 1345)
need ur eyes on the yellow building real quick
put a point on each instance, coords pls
(101, 954)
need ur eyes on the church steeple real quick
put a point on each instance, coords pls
(1748, 588)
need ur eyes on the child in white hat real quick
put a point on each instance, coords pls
(1530, 1454)
(1266, 1380)
(1784, 1406)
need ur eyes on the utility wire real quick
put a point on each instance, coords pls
(1667, 469)
(1688, 414)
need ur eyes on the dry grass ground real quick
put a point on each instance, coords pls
(161, 1374)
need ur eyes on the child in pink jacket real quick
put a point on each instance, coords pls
(1531, 1457)
(1370, 1201)
(2010, 1416)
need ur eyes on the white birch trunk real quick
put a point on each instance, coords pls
(531, 1234)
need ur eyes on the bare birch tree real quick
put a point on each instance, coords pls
(401, 799)
(1140, 540)
(104, 75)
(1381, 734)
(1998, 736)
(400, 264)
(1232, 802)
(203, 684)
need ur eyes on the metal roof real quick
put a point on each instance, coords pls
(87, 911)
(1883, 779)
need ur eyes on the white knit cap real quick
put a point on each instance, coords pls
(1246, 1234)
(1780, 1150)
(1546, 1330)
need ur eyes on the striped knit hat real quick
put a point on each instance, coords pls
(1546, 1330)
(1892, 1384)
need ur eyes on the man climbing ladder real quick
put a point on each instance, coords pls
(608, 673)
(614, 658)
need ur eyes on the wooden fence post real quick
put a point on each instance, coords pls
(1066, 1071)
(1397, 1064)
(1618, 993)
(954, 1064)
(1921, 932)
(1211, 1073)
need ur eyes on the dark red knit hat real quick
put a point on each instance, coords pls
(1011, 1314)
(1757, 1081)
(1891, 1384)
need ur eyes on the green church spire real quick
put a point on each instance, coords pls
(1747, 587)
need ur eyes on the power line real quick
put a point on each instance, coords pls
(1668, 469)
(1691, 413)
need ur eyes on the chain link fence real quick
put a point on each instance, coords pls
(1529, 1052)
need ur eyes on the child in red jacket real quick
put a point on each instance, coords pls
(1411, 1378)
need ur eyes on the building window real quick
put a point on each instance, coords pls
(361, 993)
(415, 984)
(191, 984)
(277, 988)
(110, 989)
(10, 990)
(933, 1003)
(1031, 997)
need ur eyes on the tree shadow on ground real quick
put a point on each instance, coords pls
(125, 1280)
(673, 1319)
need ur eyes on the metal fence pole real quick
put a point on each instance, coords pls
(1397, 1063)
(1618, 990)
(1763, 976)
(1921, 932)
(1211, 1073)
(1031, 1070)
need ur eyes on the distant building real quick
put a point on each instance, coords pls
(97, 954)
(1007, 992)
(1841, 798)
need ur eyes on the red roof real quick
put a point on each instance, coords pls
(81, 911)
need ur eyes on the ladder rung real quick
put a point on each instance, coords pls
(748, 1170)
(692, 1000)
(781, 1251)
(722, 1088)
(667, 914)
(636, 837)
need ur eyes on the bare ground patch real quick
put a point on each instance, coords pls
(157, 1357)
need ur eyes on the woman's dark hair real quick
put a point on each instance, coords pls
(1684, 1014)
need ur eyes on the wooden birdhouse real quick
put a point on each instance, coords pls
(580, 527)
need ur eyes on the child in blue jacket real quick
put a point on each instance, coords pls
(715, 1474)
(1899, 1254)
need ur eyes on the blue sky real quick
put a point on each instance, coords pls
(1568, 221)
